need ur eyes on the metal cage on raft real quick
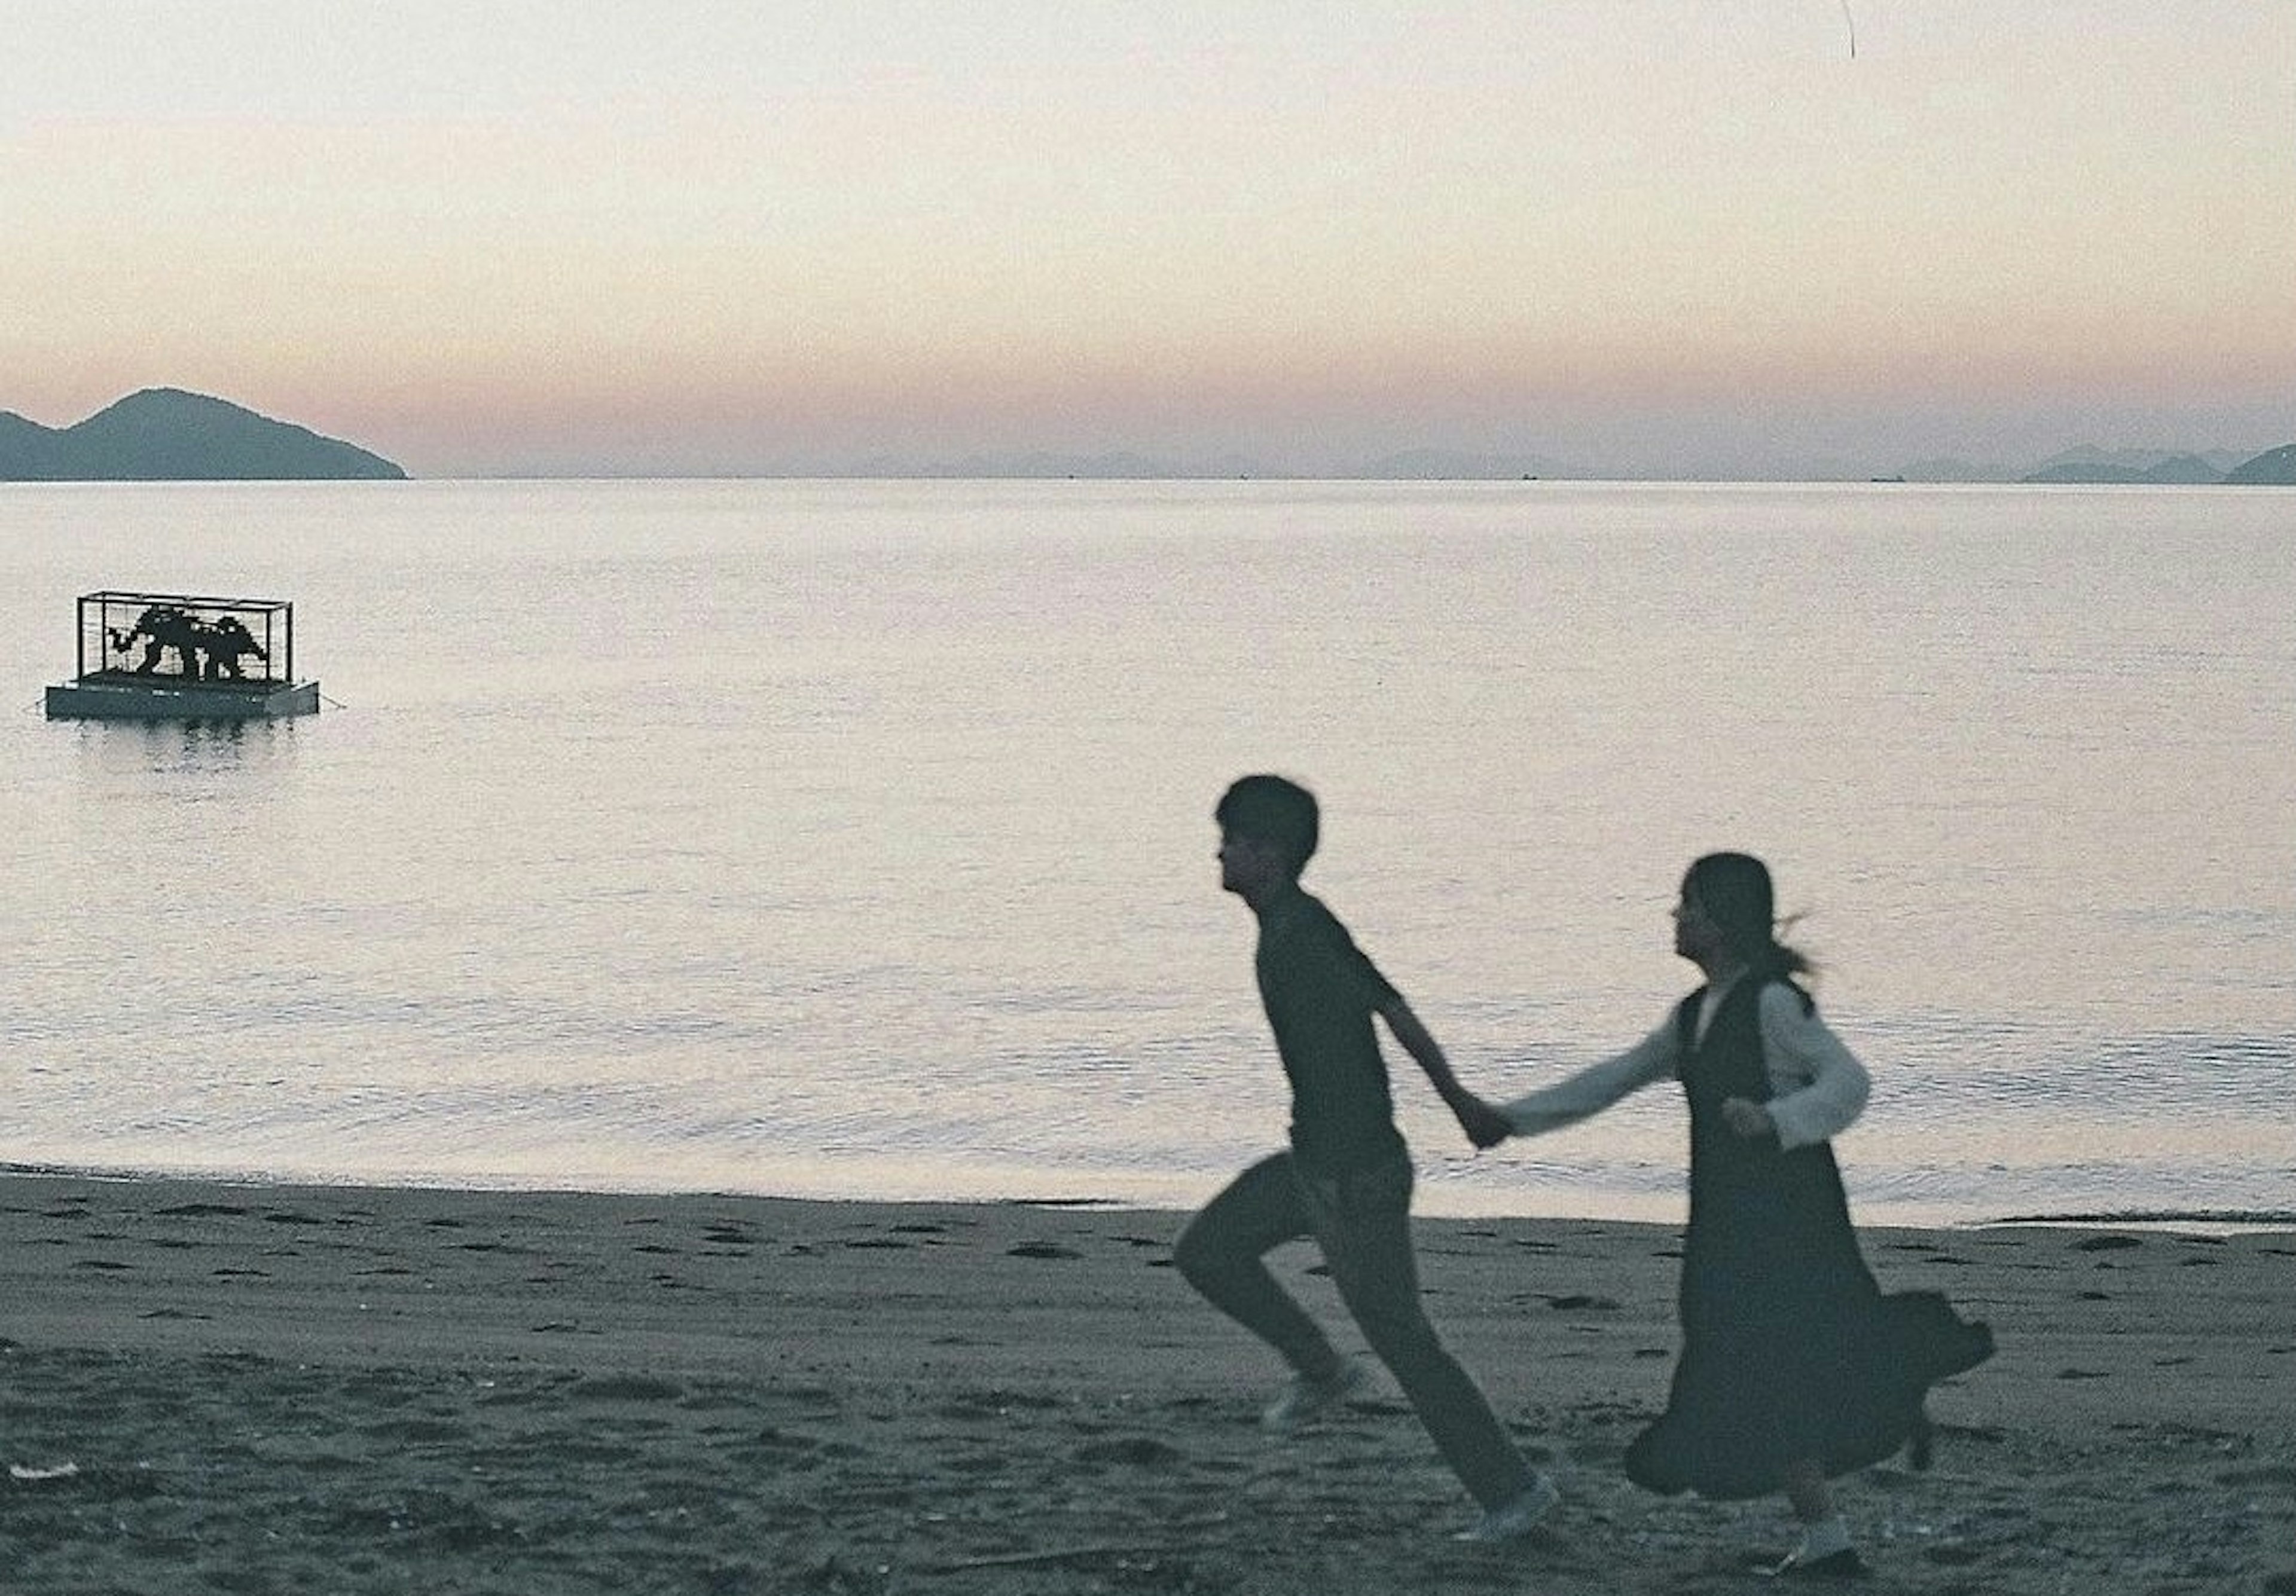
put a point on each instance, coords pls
(156, 656)
(184, 635)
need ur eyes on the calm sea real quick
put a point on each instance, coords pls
(854, 839)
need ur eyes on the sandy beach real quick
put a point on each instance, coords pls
(271, 1389)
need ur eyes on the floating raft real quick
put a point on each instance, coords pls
(164, 656)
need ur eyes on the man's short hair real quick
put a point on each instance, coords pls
(1272, 809)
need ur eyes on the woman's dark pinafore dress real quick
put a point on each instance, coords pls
(1790, 1350)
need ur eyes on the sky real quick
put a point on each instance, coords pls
(728, 237)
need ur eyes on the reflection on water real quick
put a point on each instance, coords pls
(163, 746)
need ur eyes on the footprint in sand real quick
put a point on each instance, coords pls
(625, 1388)
(1130, 1451)
(418, 1429)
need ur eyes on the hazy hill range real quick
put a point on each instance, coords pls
(2084, 464)
(2136, 466)
(164, 434)
(2275, 468)
(2176, 470)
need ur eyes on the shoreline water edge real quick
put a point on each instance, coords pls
(2206, 1219)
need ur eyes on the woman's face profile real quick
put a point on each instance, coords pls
(1695, 936)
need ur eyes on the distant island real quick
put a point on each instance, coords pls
(2275, 468)
(166, 434)
(2086, 464)
(2272, 468)
(2177, 471)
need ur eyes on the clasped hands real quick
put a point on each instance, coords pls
(1487, 1126)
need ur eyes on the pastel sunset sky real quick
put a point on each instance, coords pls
(1679, 237)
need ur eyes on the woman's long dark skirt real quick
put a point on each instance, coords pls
(1790, 1350)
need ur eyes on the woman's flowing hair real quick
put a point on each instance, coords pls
(1736, 892)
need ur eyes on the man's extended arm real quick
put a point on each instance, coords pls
(1485, 1125)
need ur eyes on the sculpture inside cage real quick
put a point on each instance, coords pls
(165, 656)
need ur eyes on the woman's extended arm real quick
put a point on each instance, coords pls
(1595, 1088)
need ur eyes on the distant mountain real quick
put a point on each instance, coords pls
(20, 439)
(2275, 468)
(2088, 463)
(2139, 460)
(2186, 470)
(2164, 466)
(2174, 471)
(164, 434)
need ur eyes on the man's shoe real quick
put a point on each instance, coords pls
(1512, 1520)
(1305, 1400)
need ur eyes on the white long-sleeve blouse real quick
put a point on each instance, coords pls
(1818, 1086)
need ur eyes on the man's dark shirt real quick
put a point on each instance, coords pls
(1321, 992)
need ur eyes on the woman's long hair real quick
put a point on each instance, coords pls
(1736, 892)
